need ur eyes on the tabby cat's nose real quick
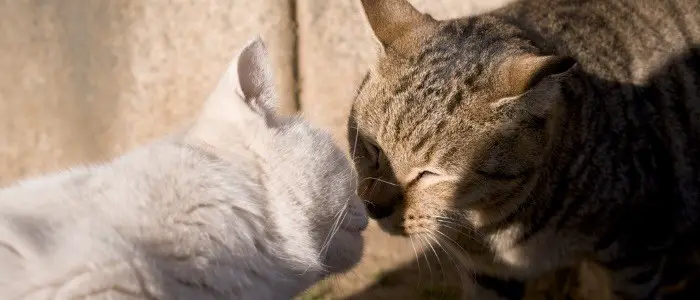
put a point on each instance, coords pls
(377, 211)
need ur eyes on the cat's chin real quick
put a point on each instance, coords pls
(345, 251)
(389, 225)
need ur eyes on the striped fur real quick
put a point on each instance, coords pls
(538, 135)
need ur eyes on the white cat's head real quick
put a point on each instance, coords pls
(310, 182)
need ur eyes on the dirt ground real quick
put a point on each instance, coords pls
(391, 269)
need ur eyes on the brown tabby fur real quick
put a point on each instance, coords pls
(537, 136)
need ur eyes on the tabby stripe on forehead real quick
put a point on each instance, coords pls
(402, 87)
(641, 21)
(455, 100)
(424, 117)
(421, 142)
(398, 120)
(682, 28)
(449, 152)
(428, 137)
(467, 27)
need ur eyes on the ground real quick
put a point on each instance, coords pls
(391, 269)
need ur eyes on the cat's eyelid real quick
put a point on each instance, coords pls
(426, 176)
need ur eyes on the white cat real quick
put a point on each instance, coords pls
(243, 204)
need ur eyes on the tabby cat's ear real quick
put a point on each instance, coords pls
(246, 90)
(531, 81)
(397, 24)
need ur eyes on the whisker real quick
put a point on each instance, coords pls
(456, 223)
(427, 262)
(449, 256)
(380, 180)
(354, 145)
(417, 260)
(453, 242)
(339, 218)
(438, 261)
(461, 256)
(449, 225)
(452, 252)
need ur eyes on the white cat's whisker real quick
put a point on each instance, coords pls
(339, 218)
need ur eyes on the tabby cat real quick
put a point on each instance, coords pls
(243, 204)
(549, 132)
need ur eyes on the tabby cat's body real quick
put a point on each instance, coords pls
(555, 130)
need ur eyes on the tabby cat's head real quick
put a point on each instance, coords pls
(453, 116)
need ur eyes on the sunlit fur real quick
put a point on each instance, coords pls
(536, 136)
(241, 204)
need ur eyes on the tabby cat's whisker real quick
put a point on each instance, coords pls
(417, 260)
(449, 256)
(380, 180)
(430, 245)
(354, 145)
(455, 229)
(445, 221)
(453, 252)
(427, 261)
(463, 256)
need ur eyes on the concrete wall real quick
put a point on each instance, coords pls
(84, 80)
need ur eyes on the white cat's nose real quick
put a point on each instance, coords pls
(356, 219)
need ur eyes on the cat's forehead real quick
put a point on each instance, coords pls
(452, 75)
(421, 100)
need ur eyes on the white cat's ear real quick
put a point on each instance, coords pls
(246, 90)
(255, 76)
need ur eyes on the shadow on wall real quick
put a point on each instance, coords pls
(435, 273)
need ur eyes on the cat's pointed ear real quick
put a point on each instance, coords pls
(397, 24)
(523, 73)
(531, 81)
(246, 90)
(255, 76)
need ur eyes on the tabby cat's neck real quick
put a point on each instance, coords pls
(605, 143)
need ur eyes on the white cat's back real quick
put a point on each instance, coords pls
(163, 211)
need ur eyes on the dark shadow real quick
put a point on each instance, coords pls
(651, 171)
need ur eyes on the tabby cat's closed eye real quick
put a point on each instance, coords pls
(373, 152)
(426, 176)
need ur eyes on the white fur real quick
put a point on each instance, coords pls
(237, 206)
